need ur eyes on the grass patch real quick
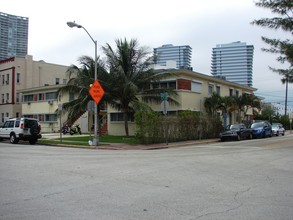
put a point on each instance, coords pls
(83, 140)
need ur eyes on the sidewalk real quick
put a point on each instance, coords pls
(121, 146)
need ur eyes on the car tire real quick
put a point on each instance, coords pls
(250, 136)
(277, 133)
(13, 139)
(283, 133)
(34, 130)
(238, 138)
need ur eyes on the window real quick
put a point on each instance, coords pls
(164, 85)
(41, 97)
(172, 85)
(3, 101)
(28, 98)
(230, 92)
(57, 81)
(7, 79)
(18, 78)
(50, 117)
(196, 87)
(3, 79)
(17, 114)
(64, 81)
(17, 97)
(218, 90)
(50, 95)
(155, 85)
(7, 97)
(211, 89)
(119, 116)
(2, 117)
(237, 93)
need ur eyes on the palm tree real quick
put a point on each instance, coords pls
(226, 105)
(131, 75)
(246, 101)
(79, 83)
(212, 103)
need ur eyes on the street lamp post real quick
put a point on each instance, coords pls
(96, 137)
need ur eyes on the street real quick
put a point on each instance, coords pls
(249, 179)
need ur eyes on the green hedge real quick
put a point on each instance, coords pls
(153, 127)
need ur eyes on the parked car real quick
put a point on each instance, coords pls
(261, 129)
(278, 129)
(26, 129)
(236, 132)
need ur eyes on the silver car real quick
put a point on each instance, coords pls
(278, 129)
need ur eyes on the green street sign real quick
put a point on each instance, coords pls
(164, 96)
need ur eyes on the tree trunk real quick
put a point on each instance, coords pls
(125, 117)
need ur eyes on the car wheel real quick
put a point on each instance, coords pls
(283, 133)
(13, 139)
(250, 136)
(277, 133)
(222, 139)
(238, 138)
(34, 130)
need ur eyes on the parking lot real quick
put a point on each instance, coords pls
(249, 179)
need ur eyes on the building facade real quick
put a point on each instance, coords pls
(233, 62)
(13, 36)
(17, 74)
(192, 89)
(168, 52)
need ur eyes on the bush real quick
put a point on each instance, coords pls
(153, 127)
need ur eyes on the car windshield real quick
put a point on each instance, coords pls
(257, 125)
(275, 126)
(234, 127)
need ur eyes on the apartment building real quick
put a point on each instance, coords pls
(233, 62)
(13, 36)
(192, 89)
(168, 52)
(18, 74)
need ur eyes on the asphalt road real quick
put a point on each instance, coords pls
(250, 179)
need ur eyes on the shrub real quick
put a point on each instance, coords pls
(153, 127)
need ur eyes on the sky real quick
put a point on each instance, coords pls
(199, 24)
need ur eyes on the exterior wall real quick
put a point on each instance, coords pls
(188, 97)
(234, 62)
(25, 73)
(180, 54)
(40, 108)
(13, 35)
(117, 127)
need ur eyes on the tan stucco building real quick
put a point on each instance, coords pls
(17, 74)
(192, 89)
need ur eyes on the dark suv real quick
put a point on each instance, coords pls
(26, 129)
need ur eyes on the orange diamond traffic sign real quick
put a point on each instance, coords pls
(96, 92)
